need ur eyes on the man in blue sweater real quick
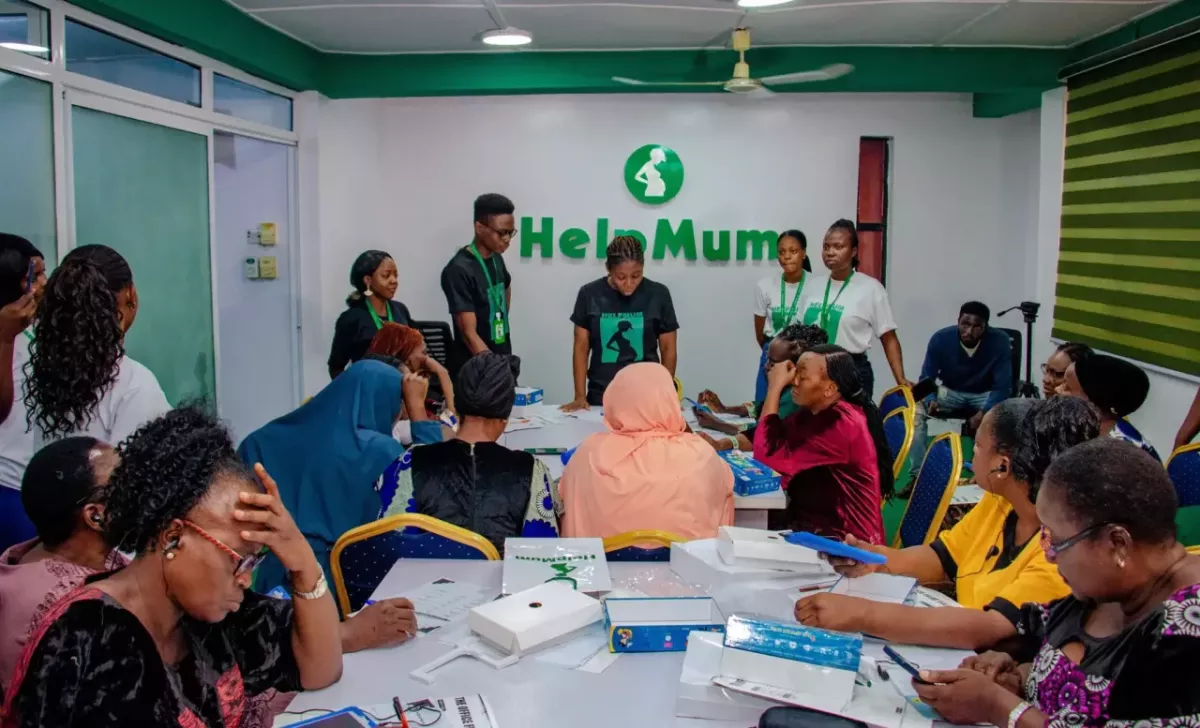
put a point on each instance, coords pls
(972, 364)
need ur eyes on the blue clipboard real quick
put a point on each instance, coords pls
(834, 548)
(339, 719)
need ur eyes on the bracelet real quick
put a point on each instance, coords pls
(320, 590)
(734, 441)
(1015, 715)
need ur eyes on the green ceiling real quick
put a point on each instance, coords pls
(1004, 80)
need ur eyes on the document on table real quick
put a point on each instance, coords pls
(520, 424)
(444, 602)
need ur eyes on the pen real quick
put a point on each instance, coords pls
(815, 587)
(399, 712)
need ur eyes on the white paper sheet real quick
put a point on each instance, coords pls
(578, 650)
(444, 602)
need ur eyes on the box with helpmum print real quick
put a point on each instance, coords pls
(658, 624)
(750, 477)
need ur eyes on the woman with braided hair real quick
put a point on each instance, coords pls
(79, 381)
(619, 320)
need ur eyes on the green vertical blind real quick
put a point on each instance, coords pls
(142, 189)
(1129, 260)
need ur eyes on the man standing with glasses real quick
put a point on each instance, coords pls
(478, 286)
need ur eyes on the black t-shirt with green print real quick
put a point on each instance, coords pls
(622, 330)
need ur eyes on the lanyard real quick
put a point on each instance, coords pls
(27, 334)
(375, 316)
(497, 306)
(791, 311)
(826, 305)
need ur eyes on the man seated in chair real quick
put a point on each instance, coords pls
(473, 482)
(972, 364)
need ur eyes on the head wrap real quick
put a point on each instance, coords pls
(485, 387)
(1114, 385)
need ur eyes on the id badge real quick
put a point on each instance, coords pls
(498, 332)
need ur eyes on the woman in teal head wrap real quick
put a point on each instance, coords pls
(328, 457)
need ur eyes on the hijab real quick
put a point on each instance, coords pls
(327, 455)
(647, 471)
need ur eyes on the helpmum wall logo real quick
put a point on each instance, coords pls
(654, 174)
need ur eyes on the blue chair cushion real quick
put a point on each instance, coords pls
(931, 484)
(633, 553)
(894, 430)
(892, 401)
(366, 563)
(1184, 470)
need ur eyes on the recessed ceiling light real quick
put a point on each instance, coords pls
(24, 48)
(508, 37)
(761, 3)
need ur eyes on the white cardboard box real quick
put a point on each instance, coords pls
(528, 400)
(534, 618)
(698, 697)
(767, 549)
(658, 624)
(698, 563)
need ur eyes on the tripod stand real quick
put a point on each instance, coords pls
(1029, 311)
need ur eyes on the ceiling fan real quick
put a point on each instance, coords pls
(743, 82)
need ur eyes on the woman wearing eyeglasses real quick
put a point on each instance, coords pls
(992, 555)
(1124, 648)
(1054, 371)
(175, 639)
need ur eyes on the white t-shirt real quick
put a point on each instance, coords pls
(16, 441)
(858, 314)
(132, 401)
(767, 300)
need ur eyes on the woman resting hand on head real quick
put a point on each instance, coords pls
(992, 555)
(1124, 648)
(176, 638)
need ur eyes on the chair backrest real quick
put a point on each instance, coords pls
(898, 429)
(1017, 339)
(932, 492)
(895, 398)
(633, 546)
(1184, 469)
(438, 338)
(363, 556)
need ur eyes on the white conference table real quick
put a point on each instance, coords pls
(571, 431)
(637, 691)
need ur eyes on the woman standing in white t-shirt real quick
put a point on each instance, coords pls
(780, 299)
(79, 380)
(853, 307)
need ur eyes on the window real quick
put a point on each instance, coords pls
(97, 54)
(27, 158)
(872, 206)
(24, 28)
(251, 103)
(1129, 251)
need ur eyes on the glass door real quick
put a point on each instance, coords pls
(141, 187)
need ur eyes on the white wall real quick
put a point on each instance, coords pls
(1170, 395)
(400, 174)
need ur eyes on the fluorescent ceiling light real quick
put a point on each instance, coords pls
(508, 37)
(24, 48)
(761, 3)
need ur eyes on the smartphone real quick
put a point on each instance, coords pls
(697, 406)
(905, 665)
(29, 277)
(833, 548)
(923, 389)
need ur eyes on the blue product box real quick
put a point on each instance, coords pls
(820, 647)
(750, 477)
(527, 395)
(654, 624)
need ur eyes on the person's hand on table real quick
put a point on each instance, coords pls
(781, 376)
(575, 405)
(709, 399)
(998, 666)
(838, 612)
(847, 566)
(382, 624)
(708, 421)
(964, 697)
(719, 445)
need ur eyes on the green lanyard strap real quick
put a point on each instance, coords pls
(826, 304)
(375, 316)
(497, 306)
(780, 322)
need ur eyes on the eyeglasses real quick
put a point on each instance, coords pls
(242, 564)
(1054, 373)
(504, 234)
(1054, 549)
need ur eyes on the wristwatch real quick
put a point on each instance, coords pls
(320, 590)
(1014, 716)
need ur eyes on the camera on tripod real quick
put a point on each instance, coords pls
(1029, 312)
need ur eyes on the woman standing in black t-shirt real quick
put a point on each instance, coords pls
(375, 280)
(620, 319)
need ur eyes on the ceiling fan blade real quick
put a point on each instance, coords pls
(762, 92)
(636, 82)
(828, 73)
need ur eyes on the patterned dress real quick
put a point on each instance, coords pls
(1146, 675)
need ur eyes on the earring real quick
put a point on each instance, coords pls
(170, 556)
(1120, 563)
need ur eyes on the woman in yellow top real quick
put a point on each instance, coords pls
(993, 555)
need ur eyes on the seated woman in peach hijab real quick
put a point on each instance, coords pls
(647, 472)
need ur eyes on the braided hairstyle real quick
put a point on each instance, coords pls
(364, 265)
(624, 249)
(1047, 431)
(842, 372)
(78, 341)
(166, 468)
(847, 226)
(800, 238)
